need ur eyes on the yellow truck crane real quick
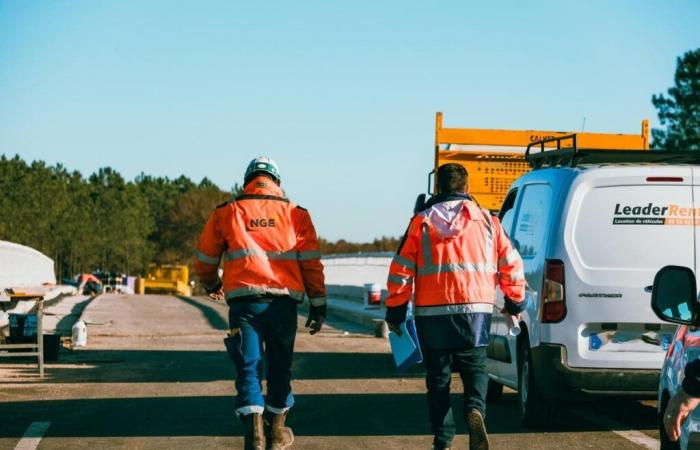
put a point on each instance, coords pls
(493, 164)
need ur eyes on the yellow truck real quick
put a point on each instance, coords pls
(496, 158)
(167, 279)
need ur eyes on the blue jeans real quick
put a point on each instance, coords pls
(267, 331)
(471, 365)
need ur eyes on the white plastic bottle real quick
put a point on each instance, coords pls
(79, 334)
(513, 326)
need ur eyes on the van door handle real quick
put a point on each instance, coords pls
(648, 289)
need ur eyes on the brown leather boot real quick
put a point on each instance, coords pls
(252, 431)
(278, 436)
(478, 438)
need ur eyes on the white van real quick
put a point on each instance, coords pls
(593, 228)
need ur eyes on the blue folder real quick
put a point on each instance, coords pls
(406, 349)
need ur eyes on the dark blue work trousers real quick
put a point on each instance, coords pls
(471, 366)
(267, 330)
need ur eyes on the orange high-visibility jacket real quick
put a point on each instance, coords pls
(88, 277)
(452, 258)
(268, 244)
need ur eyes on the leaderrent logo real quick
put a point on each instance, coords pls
(651, 214)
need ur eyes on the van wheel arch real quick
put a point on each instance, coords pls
(535, 411)
(523, 336)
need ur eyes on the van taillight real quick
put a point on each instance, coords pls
(554, 295)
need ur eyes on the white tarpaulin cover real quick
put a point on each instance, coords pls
(22, 266)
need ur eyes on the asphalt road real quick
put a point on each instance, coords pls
(155, 375)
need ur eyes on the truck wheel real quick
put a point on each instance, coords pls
(535, 410)
(494, 392)
(666, 444)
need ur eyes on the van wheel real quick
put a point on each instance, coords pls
(666, 444)
(535, 410)
(494, 392)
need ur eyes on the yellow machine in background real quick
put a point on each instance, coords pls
(167, 279)
(493, 166)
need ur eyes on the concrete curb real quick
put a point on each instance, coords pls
(350, 292)
(348, 309)
(351, 311)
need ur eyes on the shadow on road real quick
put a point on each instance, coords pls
(148, 366)
(216, 321)
(66, 322)
(313, 415)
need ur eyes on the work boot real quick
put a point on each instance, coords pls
(278, 436)
(252, 431)
(478, 439)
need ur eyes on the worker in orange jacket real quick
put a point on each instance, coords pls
(451, 259)
(89, 284)
(271, 260)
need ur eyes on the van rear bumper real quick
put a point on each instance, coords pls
(555, 377)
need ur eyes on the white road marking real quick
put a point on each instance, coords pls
(634, 436)
(33, 435)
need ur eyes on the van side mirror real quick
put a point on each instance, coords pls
(420, 204)
(674, 295)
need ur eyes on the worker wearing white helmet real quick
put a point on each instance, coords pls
(271, 262)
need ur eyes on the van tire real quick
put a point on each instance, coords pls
(535, 411)
(494, 392)
(666, 444)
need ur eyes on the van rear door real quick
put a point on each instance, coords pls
(696, 194)
(622, 224)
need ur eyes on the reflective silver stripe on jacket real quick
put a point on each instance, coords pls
(517, 276)
(510, 258)
(263, 290)
(446, 310)
(244, 252)
(457, 267)
(398, 279)
(206, 259)
(309, 255)
(403, 261)
(489, 235)
(291, 255)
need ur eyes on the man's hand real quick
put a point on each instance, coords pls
(395, 328)
(216, 292)
(516, 317)
(317, 316)
(395, 316)
(217, 295)
(678, 409)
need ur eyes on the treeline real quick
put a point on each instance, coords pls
(383, 244)
(104, 222)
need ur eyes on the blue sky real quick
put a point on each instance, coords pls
(341, 95)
